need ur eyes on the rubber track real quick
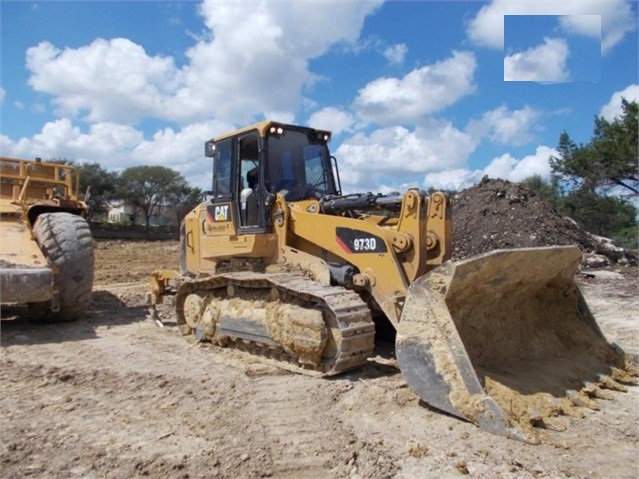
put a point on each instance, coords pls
(350, 314)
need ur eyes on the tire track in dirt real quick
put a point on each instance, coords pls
(304, 437)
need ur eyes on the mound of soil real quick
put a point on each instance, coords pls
(498, 214)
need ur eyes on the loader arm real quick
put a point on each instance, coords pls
(388, 254)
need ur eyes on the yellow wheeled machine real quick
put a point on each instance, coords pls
(46, 247)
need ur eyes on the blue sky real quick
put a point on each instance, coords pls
(417, 94)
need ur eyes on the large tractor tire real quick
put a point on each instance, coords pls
(65, 240)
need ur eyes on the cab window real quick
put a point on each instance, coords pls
(222, 170)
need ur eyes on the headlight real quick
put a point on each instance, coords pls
(276, 130)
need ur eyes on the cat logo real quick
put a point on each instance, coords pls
(221, 213)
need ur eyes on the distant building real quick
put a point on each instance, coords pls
(121, 211)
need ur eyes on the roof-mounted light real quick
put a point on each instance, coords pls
(209, 149)
(320, 135)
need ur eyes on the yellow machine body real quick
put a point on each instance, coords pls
(46, 250)
(278, 242)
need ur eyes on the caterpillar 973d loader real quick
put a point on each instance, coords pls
(281, 264)
(46, 248)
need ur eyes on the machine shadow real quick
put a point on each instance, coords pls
(106, 309)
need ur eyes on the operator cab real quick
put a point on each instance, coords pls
(252, 165)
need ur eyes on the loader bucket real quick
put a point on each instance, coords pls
(502, 339)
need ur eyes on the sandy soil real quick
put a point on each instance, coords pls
(115, 396)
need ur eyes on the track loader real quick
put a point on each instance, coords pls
(279, 263)
(46, 247)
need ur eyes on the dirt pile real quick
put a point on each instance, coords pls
(496, 214)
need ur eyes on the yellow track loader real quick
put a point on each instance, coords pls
(46, 247)
(280, 263)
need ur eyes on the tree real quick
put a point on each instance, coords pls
(101, 186)
(448, 192)
(183, 199)
(608, 216)
(596, 176)
(147, 187)
(609, 160)
(548, 191)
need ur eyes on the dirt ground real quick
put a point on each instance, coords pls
(116, 396)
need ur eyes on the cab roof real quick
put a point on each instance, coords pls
(263, 127)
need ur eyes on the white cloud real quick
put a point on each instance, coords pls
(505, 167)
(435, 153)
(545, 63)
(397, 155)
(104, 139)
(396, 54)
(107, 143)
(509, 168)
(112, 80)
(251, 62)
(507, 127)
(617, 19)
(613, 109)
(451, 179)
(2, 95)
(181, 150)
(255, 60)
(258, 58)
(422, 91)
(334, 119)
(117, 147)
(225, 83)
(587, 25)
